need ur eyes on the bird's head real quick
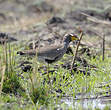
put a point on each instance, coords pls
(70, 37)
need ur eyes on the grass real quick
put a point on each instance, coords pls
(30, 90)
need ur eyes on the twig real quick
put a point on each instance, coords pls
(103, 48)
(2, 79)
(74, 58)
(93, 19)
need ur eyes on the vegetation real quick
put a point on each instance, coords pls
(31, 90)
(24, 84)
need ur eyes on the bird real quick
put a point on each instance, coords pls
(51, 53)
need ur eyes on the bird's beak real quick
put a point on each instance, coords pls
(73, 38)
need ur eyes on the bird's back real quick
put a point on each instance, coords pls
(50, 52)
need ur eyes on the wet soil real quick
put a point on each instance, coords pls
(41, 23)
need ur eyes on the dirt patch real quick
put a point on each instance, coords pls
(41, 7)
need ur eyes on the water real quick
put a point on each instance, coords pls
(87, 104)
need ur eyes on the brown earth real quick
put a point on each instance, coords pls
(46, 22)
(27, 19)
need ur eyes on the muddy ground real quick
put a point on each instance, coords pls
(41, 22)
(36, 23)
(28, 20)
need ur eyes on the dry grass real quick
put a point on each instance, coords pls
(22, 23)
(2, 78)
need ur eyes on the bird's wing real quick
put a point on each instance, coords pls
(50, 52)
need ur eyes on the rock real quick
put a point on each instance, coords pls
(55, 20)
(6, 38)
(26, 68)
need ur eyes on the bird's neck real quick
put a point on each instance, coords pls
(66, 44)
